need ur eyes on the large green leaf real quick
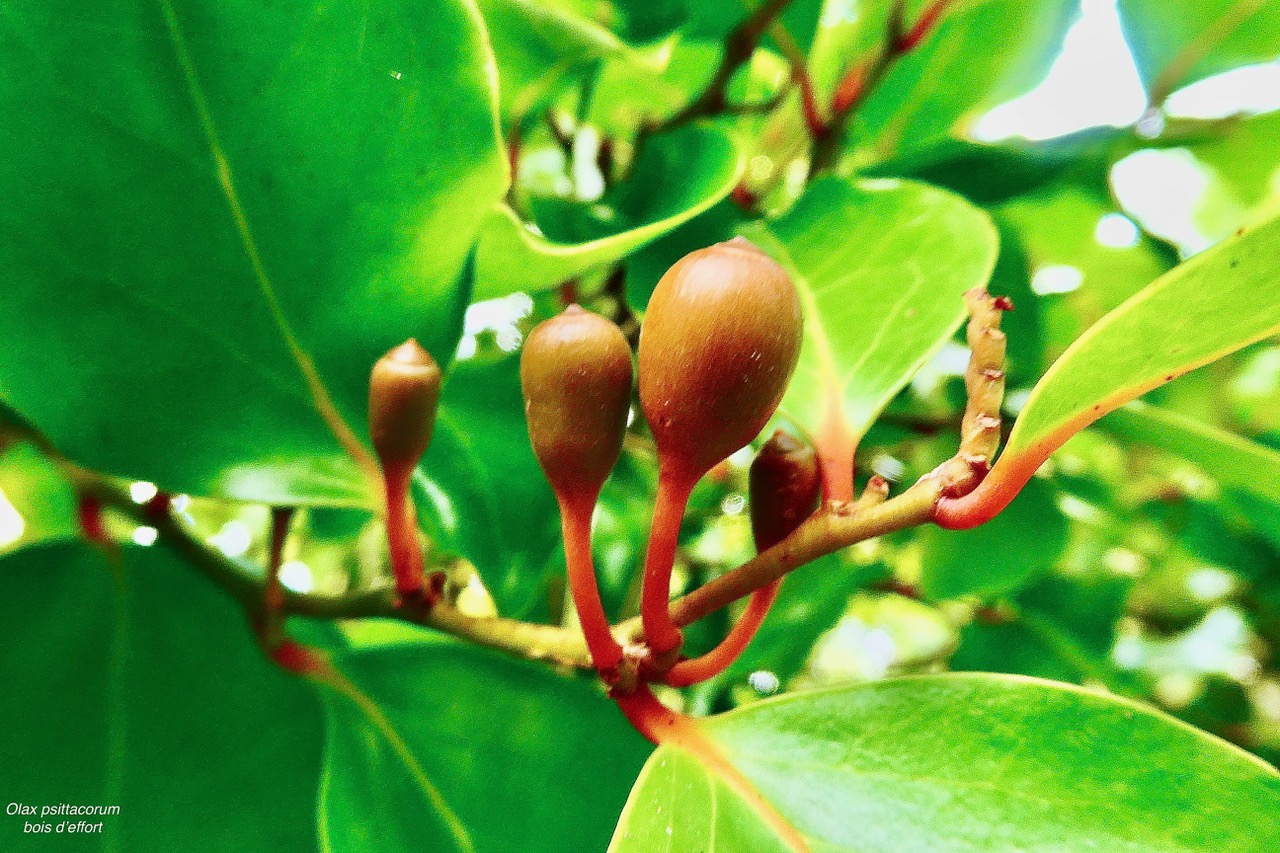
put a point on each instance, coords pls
(959, 763)
(518, 757)
(999, 48)
(1176, 42)
(1232, 460)
(135, 684)
(216, 210)
(677, 176)
(881, 267)
(1219, 301)
(485, 496)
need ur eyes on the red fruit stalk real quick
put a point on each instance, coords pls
(404, 391)
(785, 486)
(575, 371)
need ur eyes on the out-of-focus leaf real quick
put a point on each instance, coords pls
(628, 96)
(1232, 460)
(1209, 306)
(513, 755)
(1021, 543)
(1079, 277)
(36, 501)
(271, 200)
(678, 176)
(881, 268)
(994, 173)
(999, 48)
(1062, 627)
(1246, 157)
(621, 529)
(480, 488)
(142, 688)
(1176, 42)
(812, 599)
(537, 44)
(952, 763)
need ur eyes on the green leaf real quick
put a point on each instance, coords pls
(523, 758)
(537, 44)
(1000, 556)
(881, 267)
(483, 493)
(1232, 460)
(628, 95)
(999, 48)
(1245, 157)
(1176, 42)
(959, 763)
(1217, 302)
(677, 176)
(678, 804)
(270, 202)
(142, 687)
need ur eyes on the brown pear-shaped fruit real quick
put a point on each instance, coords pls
(575, 371)
(718, 345)
(784, 486)
(404, 390)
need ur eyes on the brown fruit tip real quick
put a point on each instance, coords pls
(404, 390)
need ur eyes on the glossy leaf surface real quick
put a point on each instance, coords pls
(522, 758)
(269, 202)
(961, 762)
(142, 687)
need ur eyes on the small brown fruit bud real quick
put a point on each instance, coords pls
(785, 484)
(719, 342)
(575, 371)
(404, 390)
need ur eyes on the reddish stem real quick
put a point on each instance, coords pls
(850, 90)
(699, 669)
(273, 592)
(836, 445)
(513, 154)
(92, 527)
(809, 101)
(744, 198)
(402, 534)
(660, 632)
(569, 292)
(575, 524)
(923, 26)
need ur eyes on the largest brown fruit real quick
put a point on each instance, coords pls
(718, 345)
